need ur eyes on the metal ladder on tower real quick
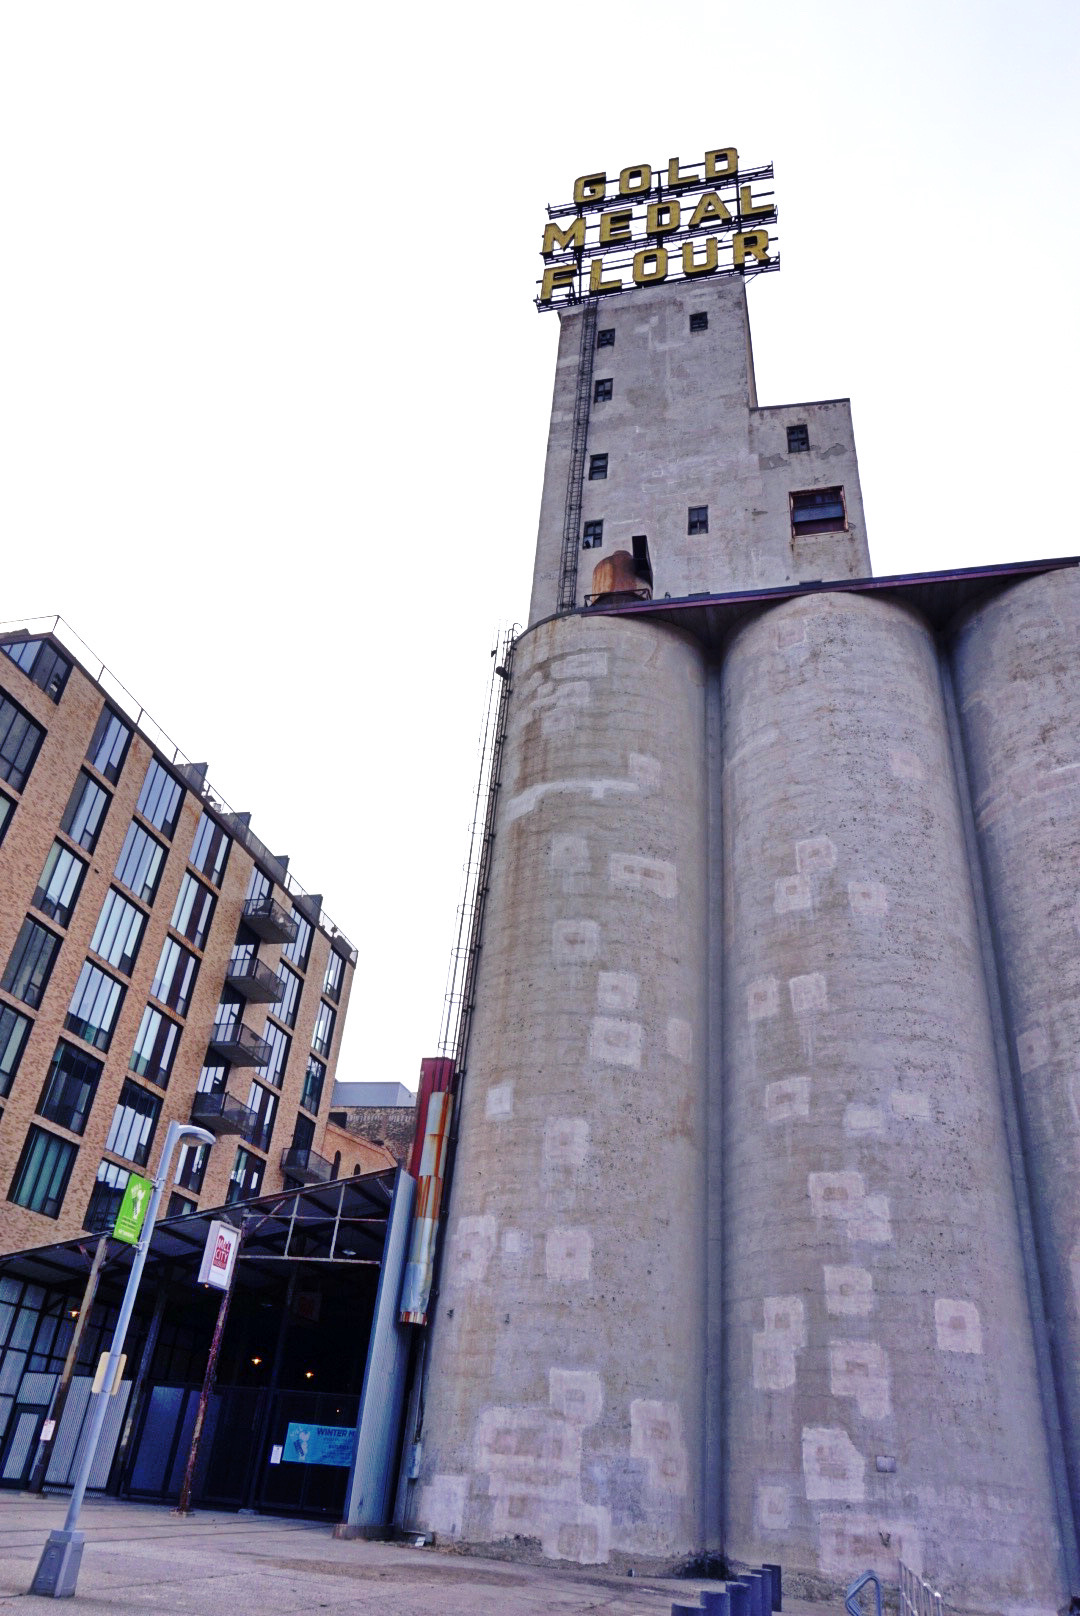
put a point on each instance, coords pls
(575, 476)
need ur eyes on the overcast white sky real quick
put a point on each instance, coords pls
(273, 393)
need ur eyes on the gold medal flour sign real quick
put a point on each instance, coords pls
(648, 225)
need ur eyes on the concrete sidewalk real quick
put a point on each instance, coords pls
(140, 1560)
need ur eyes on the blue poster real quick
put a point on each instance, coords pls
(319, 1444)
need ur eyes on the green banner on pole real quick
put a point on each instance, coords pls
(133, 1209)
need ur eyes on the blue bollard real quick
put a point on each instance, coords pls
(760, 1593)
(777, 1597)
(739, 1594)
(716, 1602)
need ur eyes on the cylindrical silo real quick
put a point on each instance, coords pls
(565, 1393)
(1017, 663)
(881, 1397)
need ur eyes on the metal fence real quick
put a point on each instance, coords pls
(917, 1598)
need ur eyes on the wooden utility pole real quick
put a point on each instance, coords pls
(56, 1411)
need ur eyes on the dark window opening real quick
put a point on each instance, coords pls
(818, 510)
(798, 439)
(20, 738)
(85, 812)
(699, 322)
(592, 535)
(597, 467)
(606, 338)
(602, 391)
(109, 745)
(41, 1177)
(42, 663)
(697, 519)
(70, 1087)
(31, 963)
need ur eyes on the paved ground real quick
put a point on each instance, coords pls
(140, 1560)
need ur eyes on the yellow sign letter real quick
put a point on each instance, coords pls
(748, 209)
(590, 187)
(597, 283)
(753, 242)
(710, 210)
(572, 236)
(722, 164)
(675, 176)
(689, 264)
(615, 226)
(662, 218)
(635, 181)
(656, 270)
(555, 276)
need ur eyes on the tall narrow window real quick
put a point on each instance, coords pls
(298, 950)
(94, 1006)
(191, 1167)
(697, 519)
(85, 812)
(603, 390)
(105, 1198)
(109, 745)
(20, 738)
(161, 798)
(210, 849)
(58, 888)
(155, 1046)
(131, 1132)
(285, 1009)
(597, 468)
(264, 1103)
(174, 978)
(592, 535)
(193, 911)
(245, 1178)
(70, 1087)
(323, 1036)
(314, 1078)
(14, 1029)
(335, 976)
(31, 963)
(140, 863)
(118, 932)
(798, 438)
(41, 1178)
(279, 1042)
(7, 808)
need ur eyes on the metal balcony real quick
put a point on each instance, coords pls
(238, 1045)
(270, 921)
(305, 1166)
(222, 1114)
(254, 981)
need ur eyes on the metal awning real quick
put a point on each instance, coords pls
(939, 596)
(342, 1223)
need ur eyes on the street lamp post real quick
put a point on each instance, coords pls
(58, 1569)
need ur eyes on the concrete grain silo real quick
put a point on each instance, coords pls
(763, 1234)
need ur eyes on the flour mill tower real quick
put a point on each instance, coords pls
(764, 1235)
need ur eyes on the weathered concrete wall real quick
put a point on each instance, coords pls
(682, 428)
(1018, 687)
(565, 1402)
(881, 1389)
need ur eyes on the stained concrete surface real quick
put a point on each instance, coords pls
(141, 1559)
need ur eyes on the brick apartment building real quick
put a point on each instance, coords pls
(156, 961)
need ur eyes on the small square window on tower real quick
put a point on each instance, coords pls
(798, 439)
(602, 391)
(699, 322)
(697, 519)
(597, 468)
(606, 339)
(592, 535)
(818, 510)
